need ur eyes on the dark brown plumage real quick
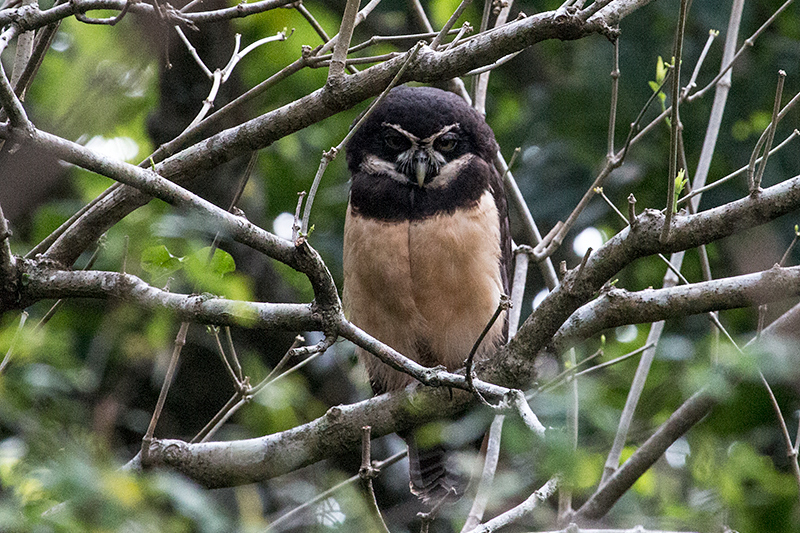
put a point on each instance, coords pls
(426, 246)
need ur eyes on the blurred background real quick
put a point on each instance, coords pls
(77, 398)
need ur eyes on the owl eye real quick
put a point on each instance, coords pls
(447, 142)
(395, 140)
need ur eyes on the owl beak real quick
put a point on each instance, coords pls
(420, 167)
(422, 170)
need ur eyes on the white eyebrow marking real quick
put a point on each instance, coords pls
(439, 133)
(411, 137)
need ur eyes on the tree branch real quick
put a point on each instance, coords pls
(42, 282)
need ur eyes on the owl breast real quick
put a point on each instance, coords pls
(425, 287)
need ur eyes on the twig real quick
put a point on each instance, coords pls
(754, 178)
(612, 116)
(522, 510)
(360, 16)
(336, 71)
(224, 358)
(239, 398)
(326, 62)
(571, 428)
(449, 24)
(515, 400)
(194, 54)
(238, 56)
(17, 335)
(110, 21)
(8, 99)
(367, 473)
(482, 82)
(502, 305)
(7, 261)
(298, 340)
(180, 341)
(675, 120)
(301, 8)
(483, 70)
(312, 351)
(789, 248)
(593, 8)
(749, 42)
(482, 495)
(689, 87)
(392, 38)
(419, 13)
(742, 170)
(791, 451)
(465, 29)
(378, 466)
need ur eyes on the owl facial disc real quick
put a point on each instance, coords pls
(422, 161)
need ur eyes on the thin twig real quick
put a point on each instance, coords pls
(7, 261)
(449, 24)
(502, 305)
(180, 342)
(696, 192)
(380, 465)
(9, 100)
(522, 510)
(754, 178)
(675, 120)
(17, 335)
(483, 493)
(367, 473)
(193, 53)
(749, 42)
(791, 452)
(712, 34)
(360, 16)
(224, 359)
(612, 116)
(110, 21)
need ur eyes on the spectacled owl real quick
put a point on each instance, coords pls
(426, 245)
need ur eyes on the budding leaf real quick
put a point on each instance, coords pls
(680, 184)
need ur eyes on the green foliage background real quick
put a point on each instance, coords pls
(66, 422)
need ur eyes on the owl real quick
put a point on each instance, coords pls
(426, 246)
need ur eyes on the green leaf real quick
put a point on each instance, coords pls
(222, 263)
(158, 261)
(661, 70)
(680, 184)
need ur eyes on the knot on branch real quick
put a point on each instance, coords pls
(334, 413)
(174, 453)
(430, 376)
(569, 24)
(22, 15)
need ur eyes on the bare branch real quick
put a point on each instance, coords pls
(45, 283)
(520, 511)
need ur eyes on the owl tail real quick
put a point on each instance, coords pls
(432, 478)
